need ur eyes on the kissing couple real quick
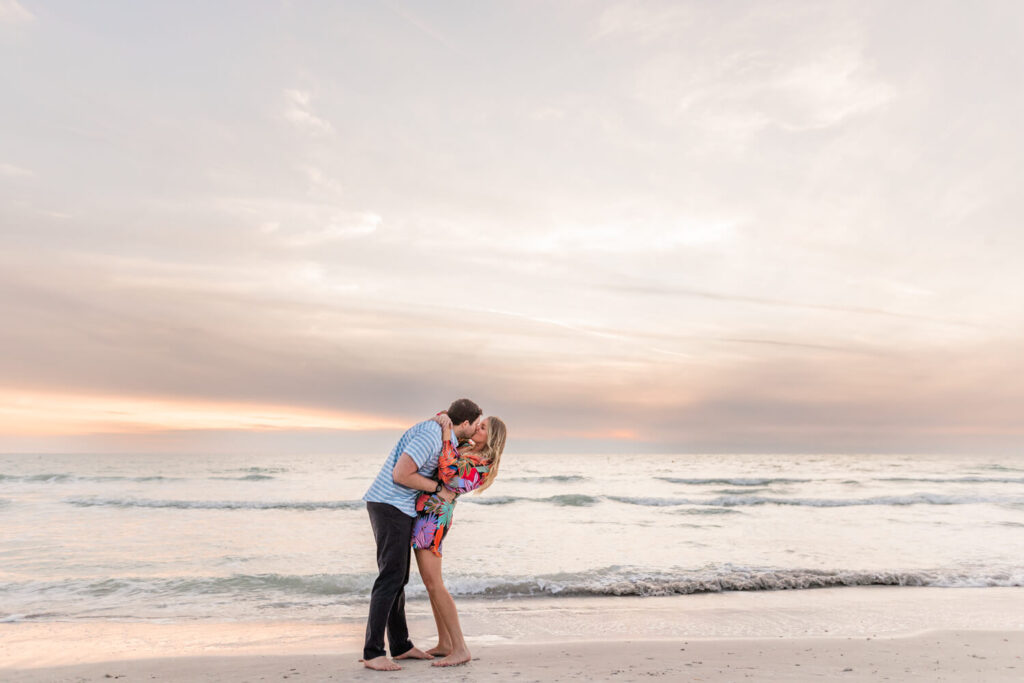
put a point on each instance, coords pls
(410, 504)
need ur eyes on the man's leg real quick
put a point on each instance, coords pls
(398, 630)
(392, 530)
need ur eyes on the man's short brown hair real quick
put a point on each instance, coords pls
(463, 409)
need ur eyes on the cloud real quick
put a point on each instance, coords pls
(633, 231)
(826, 90)
(50, 414)
(60, 215)
(188, 353)
(748, 93)
(341, 226)
(657, 218)
(12, 171)
(322, 182)
(789, 67)
(299, 113)
(11, 11)
(643, 21)
(421, 26)
(301, 224)
(659, 290)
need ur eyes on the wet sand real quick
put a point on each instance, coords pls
(850, 634)
(989, 656)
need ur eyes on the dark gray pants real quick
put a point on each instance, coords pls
(392, 529)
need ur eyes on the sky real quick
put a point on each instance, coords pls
(662, 227)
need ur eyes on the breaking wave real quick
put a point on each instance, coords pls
(70, 477)
(562, 500)
(608, 581)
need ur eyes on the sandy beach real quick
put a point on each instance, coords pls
(855, 634)
(930, 656)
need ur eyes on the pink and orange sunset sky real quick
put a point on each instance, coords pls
(621, 226)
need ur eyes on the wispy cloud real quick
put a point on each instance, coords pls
(299, 112)
(13, 171)
(299, 224)
(47, 413)
(827, 90)
(11, 11)
(632, 233)
(643, 21)
(60, 215)
(664, 290)
(420, 25)
(761, 72)
(341, 226)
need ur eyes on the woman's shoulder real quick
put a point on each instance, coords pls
(475, 460)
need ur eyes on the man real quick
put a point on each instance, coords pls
(391, 504)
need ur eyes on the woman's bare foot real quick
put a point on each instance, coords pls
(455, 658)
(380, 664)
(414, 653)
(440, 650)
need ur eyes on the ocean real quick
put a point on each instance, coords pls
(251, 538)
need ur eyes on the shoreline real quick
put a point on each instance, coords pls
(901, 632)
(992, 656)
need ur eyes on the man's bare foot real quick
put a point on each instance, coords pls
(440, 650)
(414, 653)
(380, 664)
(455, 658)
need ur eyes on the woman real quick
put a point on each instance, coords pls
(472, 467)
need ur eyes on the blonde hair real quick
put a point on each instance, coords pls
(492, 450)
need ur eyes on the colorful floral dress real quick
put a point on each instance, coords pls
(459, 473)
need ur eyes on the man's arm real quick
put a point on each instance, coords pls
(406, 474)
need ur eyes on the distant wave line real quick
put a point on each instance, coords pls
(216, 504)
(766, 481)
(262, 474)
(741, 501)
(562, 500)
(64, 477)
(560, 478)
(606, 581)
(956, 480)
(733, 481)
(67, 476)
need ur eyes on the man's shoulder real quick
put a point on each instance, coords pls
(426, 434)
(427, 427)
(422, 442)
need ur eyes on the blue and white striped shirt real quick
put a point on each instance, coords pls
(423, 444)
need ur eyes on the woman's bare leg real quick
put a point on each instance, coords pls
(444, 608)
(444, 639)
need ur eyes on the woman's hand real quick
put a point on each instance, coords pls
(443, 420)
